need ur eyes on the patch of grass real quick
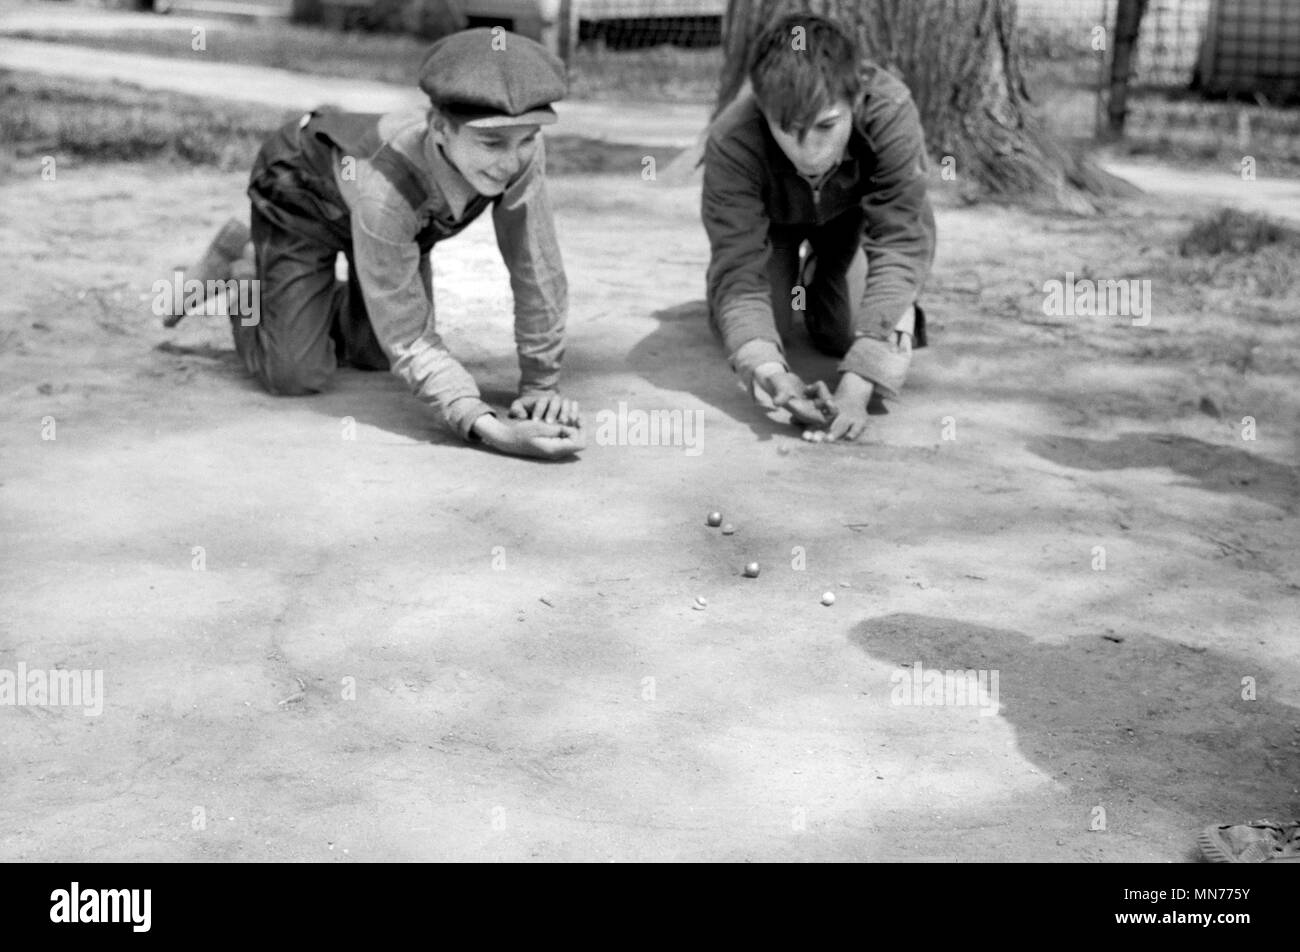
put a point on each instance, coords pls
(1231, 231)
(661, 73)
(42, 115)
(303, 49)
(1242, 252)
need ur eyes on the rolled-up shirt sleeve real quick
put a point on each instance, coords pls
(525, 230)
(898, 241)
(739, 291)
(399, 300)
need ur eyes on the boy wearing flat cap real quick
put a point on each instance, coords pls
(383, 190)
(827, 153)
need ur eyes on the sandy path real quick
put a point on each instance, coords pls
(1268, 195)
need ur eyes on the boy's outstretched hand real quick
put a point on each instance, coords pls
(548, 407)
(808, 404)
(533, 438)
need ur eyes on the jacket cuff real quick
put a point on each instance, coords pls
(461, 415)
(883, 364)
(753, 354)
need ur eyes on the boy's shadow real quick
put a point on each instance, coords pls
(683, 354)
(370, 397)
(377, 398)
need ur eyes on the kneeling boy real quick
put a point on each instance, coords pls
(383, 190)
(827, 150)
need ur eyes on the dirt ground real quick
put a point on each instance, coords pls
(504, 712)
(399, 647)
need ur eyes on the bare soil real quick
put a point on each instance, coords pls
(401, 647)
(569, 703)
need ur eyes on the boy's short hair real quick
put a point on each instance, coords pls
(447, 116)
(796, 76)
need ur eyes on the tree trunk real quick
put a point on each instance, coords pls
(960, 58)
(1128, 23)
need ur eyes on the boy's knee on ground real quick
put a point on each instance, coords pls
(284, 378)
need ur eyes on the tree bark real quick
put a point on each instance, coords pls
(960, 58)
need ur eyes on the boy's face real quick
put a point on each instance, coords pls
(817, 149)
(488, 158)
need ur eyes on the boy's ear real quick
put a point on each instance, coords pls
(440, 123)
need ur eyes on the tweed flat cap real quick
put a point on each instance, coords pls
(491, 77)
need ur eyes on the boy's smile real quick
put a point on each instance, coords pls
(488, 159)
(817, 149)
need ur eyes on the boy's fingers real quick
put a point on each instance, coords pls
(818, 392)
(805, 412)
(556, 446)
(847, 430)
(820, 395)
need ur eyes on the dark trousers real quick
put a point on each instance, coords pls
(836, 287)
(309, 321)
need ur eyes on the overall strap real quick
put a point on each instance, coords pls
(401, 174)
(357, 134)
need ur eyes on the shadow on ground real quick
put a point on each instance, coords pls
(1141, 720)
(684, 329)
(1208, 466)
(370, 397)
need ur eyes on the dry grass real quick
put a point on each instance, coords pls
(1236, 249)
(1230, 231)
(92, 122)
(661, 73)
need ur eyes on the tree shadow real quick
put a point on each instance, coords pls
(1124, 718)
(1209, 466)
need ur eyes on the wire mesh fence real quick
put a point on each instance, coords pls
(633, 24)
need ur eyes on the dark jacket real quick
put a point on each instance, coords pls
(749, 184)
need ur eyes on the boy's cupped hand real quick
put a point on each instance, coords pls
(536, 439)
(850, 418)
